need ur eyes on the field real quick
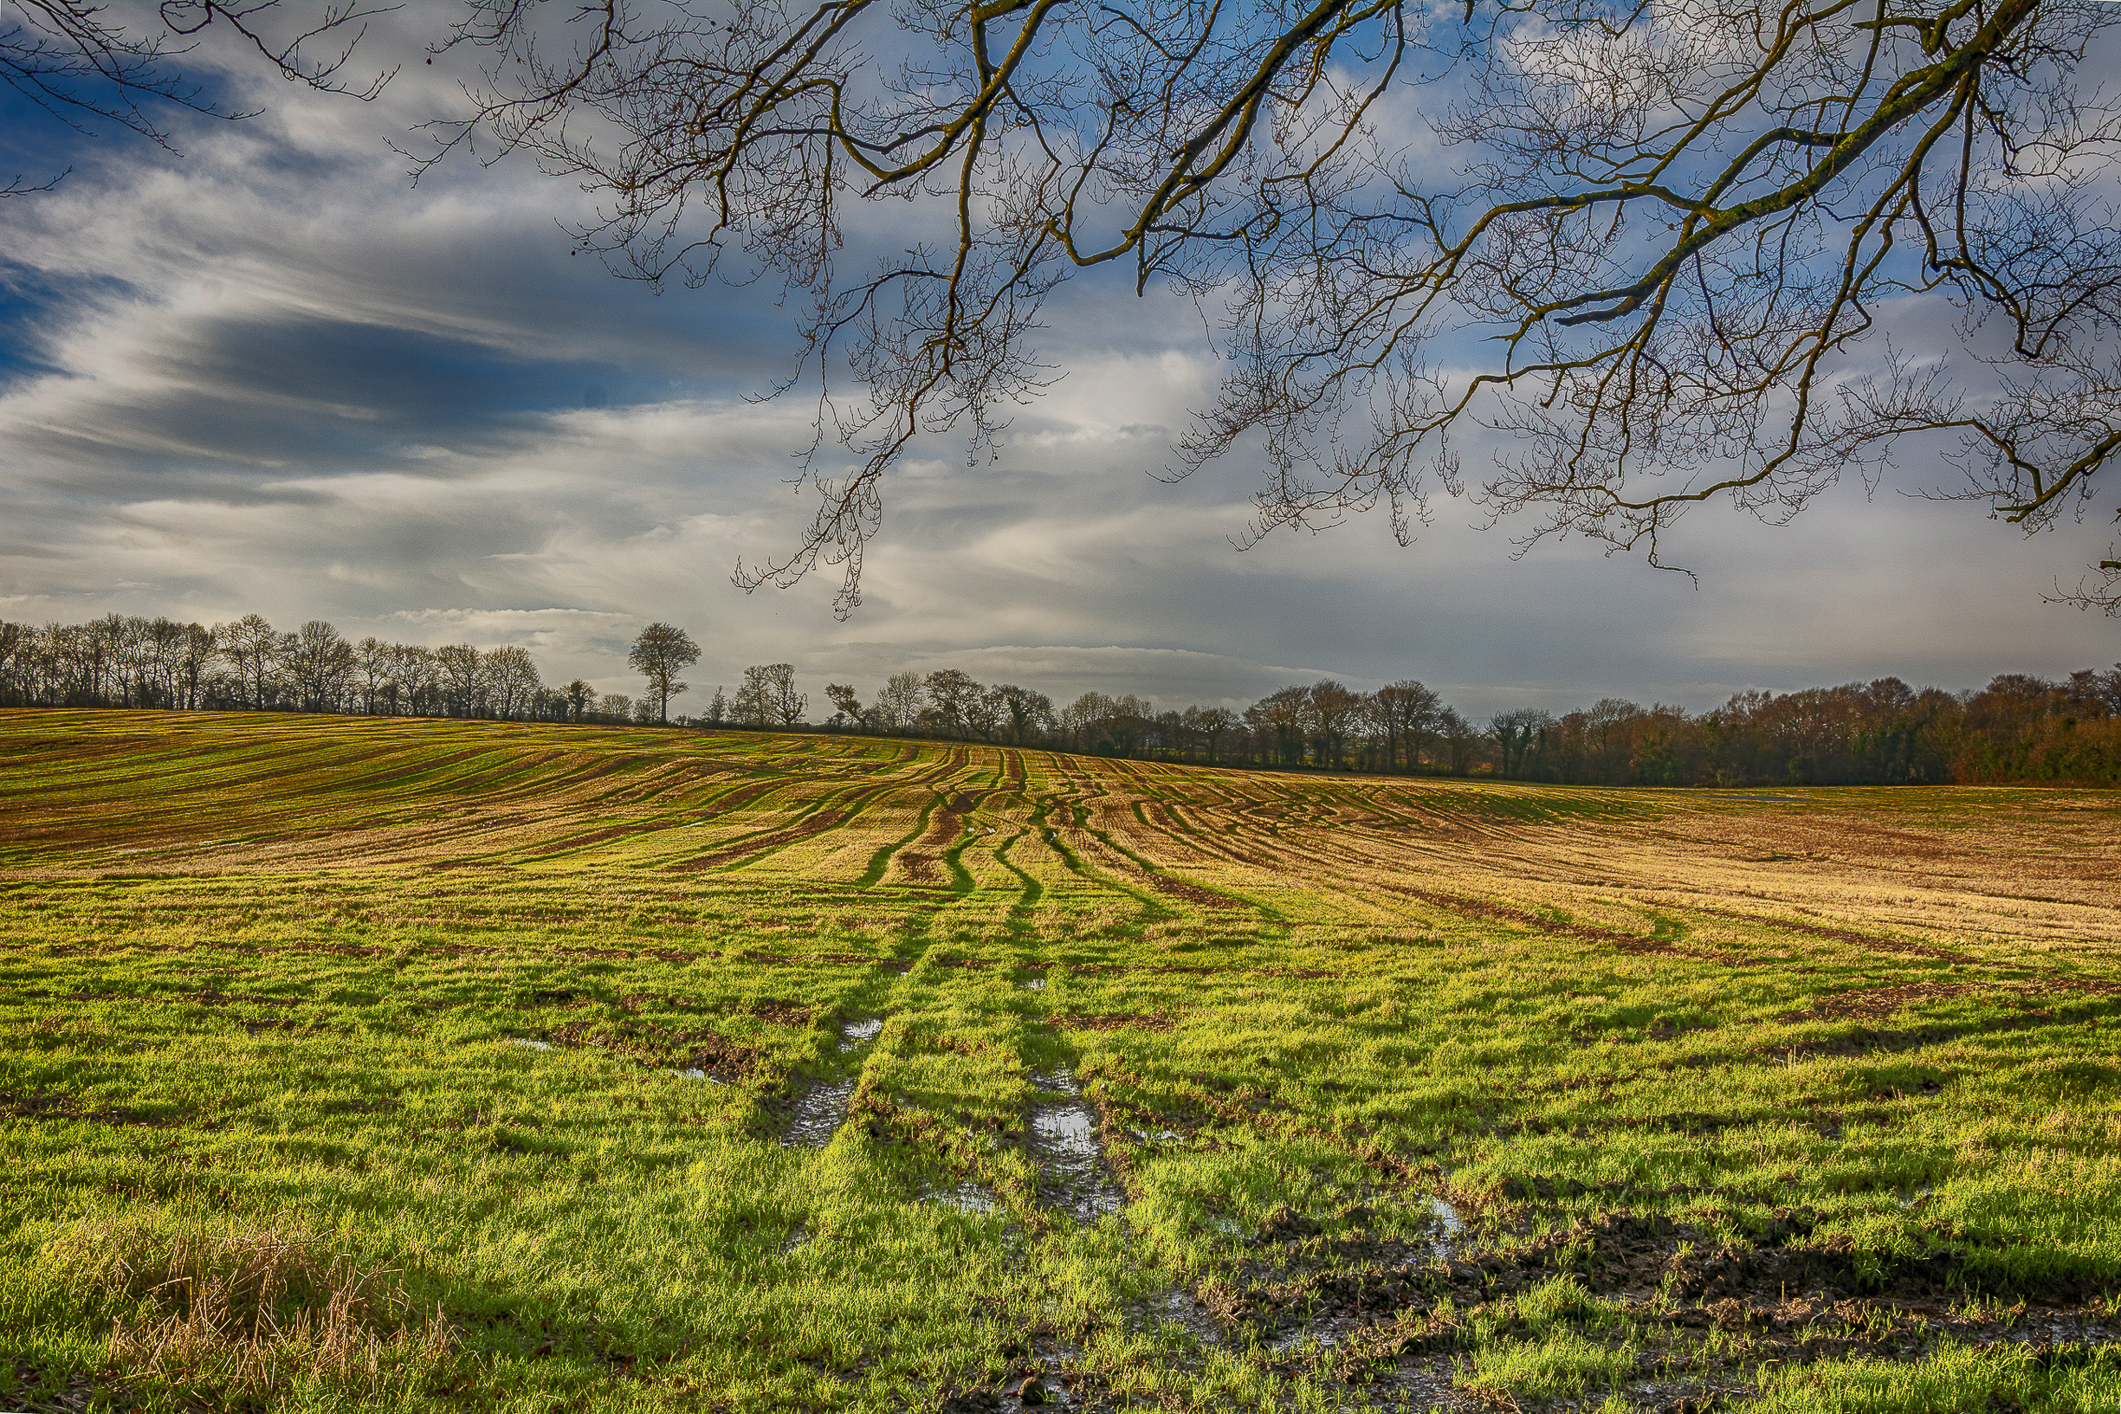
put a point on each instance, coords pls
(436, 1064)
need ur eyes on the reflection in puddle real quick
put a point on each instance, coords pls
(526, 1041)
(1036, 984)
(1183, 1310)
(1296, 1339)
(822, 1109)
(1072, 1171)
(1453, 1226)
(819, 1113)
(695, 1073)
(965, 1196)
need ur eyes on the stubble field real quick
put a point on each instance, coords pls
(426, 1064)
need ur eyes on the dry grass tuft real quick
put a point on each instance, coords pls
(256, 1312)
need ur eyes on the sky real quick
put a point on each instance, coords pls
(268, 372)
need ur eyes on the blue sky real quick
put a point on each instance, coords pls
(269, 373)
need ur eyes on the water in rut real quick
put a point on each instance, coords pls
(1072, 1172)
(821, 1108)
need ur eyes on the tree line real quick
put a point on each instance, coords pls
(2018, 728)
(120, 661)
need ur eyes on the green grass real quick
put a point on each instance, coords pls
(349, 1063)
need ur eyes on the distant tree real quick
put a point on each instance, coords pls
(320, 663)
(845, 703)
(511, 682)
(458, 668)
(252, 649)
(787, 706)
(1333, 709)
(647, 712)
(1408, 712)
(194, 657)
(374, 664)
(660, 653)
(615, 707)
(1461, 739)
(952, 701)
(1516, 733)
(581, 700)
(899, 702)
(416, 676)
(547, 704)
(1211, 725)
(1284, 717)
(1025, 714)
(14, 639)
(718, 707)
(754, 697)
(985, 711)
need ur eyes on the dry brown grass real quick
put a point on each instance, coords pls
(252, 1313)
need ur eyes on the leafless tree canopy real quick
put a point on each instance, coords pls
(90, 65)
(1656, 254)
(1644, 255)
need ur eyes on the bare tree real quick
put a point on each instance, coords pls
(660, 653)
(953, 702)
(1211, 725)
(457, 669)
(899, 701)
(89, 69)
(753, 704)
(1658, 249)
(321, 663)
(251, 648)
(1333, 707)
(510, 681)
(1025, 714)
(1461, 739)
(786, 704)
(416, 674)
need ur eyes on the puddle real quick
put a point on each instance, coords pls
(1181, 1309)
(695, 1073)
(1071, 1170)
(797, 1237)
(1036, 984)
(1454, 1227)
(534, 1045)
(822, 1108)
(965, 1196)
(1297, 1339)
(819, 1113)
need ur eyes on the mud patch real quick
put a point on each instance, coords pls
(1118, 1021)
(666, 1048)
(1879, 1003)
